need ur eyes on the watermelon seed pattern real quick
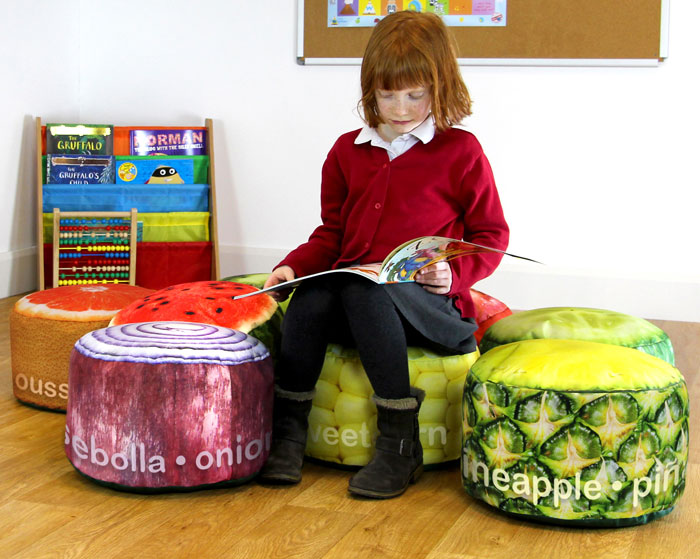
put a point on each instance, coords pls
(210, 302)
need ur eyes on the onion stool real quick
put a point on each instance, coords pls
(166, 406)
(343, 418)
(575, 432)
(45, 325)
(575, 323)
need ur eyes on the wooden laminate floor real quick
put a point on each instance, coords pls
(48, 510)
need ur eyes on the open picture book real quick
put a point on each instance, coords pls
(403, 263)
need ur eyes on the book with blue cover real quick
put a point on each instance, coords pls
(79, 169)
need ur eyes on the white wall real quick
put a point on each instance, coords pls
(39, 74)
(596, 166)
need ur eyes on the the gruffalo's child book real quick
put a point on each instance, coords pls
(403, 263)
(80, 139)
(79, 169)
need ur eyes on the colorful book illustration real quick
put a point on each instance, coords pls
(79, 169)
(403, 263)
(168, 142)
(155, 170)
(80, 139)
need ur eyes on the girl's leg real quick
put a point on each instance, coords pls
(378, 332)
(311, 320)
(306, 330)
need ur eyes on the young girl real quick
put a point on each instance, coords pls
(408, 172)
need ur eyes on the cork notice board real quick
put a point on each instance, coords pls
(538, 32)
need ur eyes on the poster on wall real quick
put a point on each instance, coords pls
(455, 13)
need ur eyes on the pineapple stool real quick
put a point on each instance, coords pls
(575, 432)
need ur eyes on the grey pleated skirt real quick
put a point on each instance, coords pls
(435, 317)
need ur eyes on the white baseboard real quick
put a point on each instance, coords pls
(528, 286)
(521, 287)
(18, 272)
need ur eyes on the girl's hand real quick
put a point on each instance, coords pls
(436, 278)
(279, 275)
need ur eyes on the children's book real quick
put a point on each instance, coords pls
(80, 169)
(168, 142)
(80, 139)
(155, 170)
(403, 263)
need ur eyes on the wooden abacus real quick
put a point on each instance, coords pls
(92, 248)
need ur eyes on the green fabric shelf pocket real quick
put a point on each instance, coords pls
(200, 164)
(170, 227)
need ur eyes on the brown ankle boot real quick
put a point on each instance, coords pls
(290, 425)
(398, 456)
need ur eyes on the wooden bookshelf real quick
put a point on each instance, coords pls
(120, 130)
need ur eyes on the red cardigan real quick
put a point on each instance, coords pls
(370, 205)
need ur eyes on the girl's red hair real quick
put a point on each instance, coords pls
(408, 49)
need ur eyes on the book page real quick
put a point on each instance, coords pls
(369, 271)
(404, 262)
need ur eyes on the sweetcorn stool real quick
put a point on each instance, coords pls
(343, 418)
(575, 432)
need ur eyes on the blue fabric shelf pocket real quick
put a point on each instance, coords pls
(123, 197)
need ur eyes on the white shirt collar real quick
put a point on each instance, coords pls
(424, 132)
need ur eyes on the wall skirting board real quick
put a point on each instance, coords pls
(18, 271)
(519, 287)
(533, 286)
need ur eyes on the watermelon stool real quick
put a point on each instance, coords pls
(210, 302)
(43, 328)
(575, 432)
(573, 323)
(169, 406)
(343, 418)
